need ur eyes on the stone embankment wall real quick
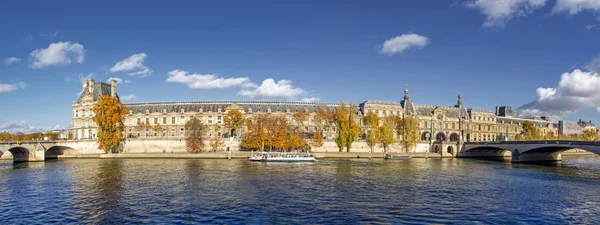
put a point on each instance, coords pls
(178, 146)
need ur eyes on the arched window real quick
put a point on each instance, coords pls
(454, 137)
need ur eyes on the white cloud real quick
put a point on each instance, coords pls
(11, 87)
(400, 43)
(11, 60)
(81, 77)
(60, 53)
(498, 12)
(13, 126)
(119, 80)
(134, 65)
(207, 81)
(594, 64)
(590, 26)
(576, 6)
(128, 97)
(22, 126)
(311, 99)
(576, 90)
(271, 89)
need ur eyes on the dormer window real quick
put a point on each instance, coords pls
(147, 111)
(164, 111)
(182, 110)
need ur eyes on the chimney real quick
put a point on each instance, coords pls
(113, 88)
(84, 86)
(497, 111)
(91, 86)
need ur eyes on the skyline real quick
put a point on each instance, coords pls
(536, 55)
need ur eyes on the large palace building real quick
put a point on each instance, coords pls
(437, 123)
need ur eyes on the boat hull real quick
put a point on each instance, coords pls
(283, 160)
(282, 157)
(396, 157)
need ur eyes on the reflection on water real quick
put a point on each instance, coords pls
(165, 191)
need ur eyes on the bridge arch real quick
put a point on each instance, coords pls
(20, 154)
(54, 151)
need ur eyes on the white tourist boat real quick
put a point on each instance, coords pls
(282, 157)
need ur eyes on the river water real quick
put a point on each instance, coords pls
(183, 191)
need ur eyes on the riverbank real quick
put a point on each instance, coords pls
(245, 155)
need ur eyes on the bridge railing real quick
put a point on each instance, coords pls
(556, 142)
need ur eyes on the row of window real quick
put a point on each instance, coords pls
(219, 110)
(481, 118)
(84, 113)
(384, 112)
(172, 120)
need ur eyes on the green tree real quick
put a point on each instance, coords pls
(387, 132)
(408, 130)
(371, 122)
(234, 120)
(341, 121)
(530, 132)
(109, 115)
(353, 130)
(194, 132)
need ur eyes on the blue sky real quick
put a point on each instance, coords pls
(539, 55)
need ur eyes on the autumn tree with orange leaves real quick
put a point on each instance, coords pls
(234, 120)
(256, 135)
(316, 140)
(109, 115)
(194, 135)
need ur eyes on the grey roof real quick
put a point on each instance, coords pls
(450, 111)
(98, 90)
(519, 120)
(479, 110)
(206, 106)
(380, 102)
(408, 107)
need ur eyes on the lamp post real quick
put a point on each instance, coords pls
(430, 135)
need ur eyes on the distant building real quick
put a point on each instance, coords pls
(438, 124)
(586, 125)
(569, 128)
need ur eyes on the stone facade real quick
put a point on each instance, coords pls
(442, 128)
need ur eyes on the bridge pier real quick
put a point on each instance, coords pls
(494, 154)
(536, 157)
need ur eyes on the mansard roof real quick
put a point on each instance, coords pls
(98, 90)
(449, 111)
(214, 106)
(537, 121)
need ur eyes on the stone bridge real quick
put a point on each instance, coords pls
(32, 151)
(525, 151)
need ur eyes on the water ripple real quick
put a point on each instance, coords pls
(417, 191)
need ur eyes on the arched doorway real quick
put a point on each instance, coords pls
(440, 137)
(425, 136)
(454, 137)
(450, 150)
(436, 149)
